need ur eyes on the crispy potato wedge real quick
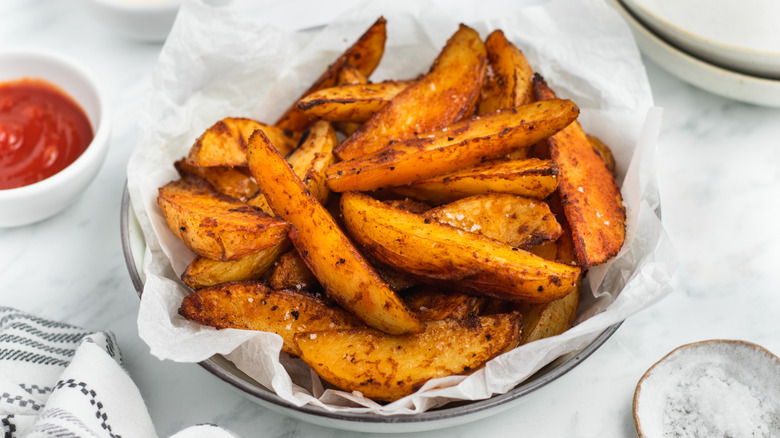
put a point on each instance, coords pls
(254, 306)
(604, 152)
(549, 319)
(203, 272)
(432, 304)
(224, 143)
(313, 156)
(386, 367)
(532, 178)
(341, 269)
(590, 196)
(349, 75)
(216, 226)
(409, 205)
(508, 81)
(514, 220)
(462, 145)
(229, 181)
(364, 55)
(446, 94)
(291, 272)
(438, 253)
(351, 103)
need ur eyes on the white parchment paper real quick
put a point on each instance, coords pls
(220, 62)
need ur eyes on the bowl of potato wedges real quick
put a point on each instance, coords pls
(391, 237)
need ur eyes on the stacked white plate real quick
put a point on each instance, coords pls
(730, 48)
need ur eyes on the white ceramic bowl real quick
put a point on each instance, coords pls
(740, 37)
(140, 20)
(710, 388)
(717, 80)
(43, 199)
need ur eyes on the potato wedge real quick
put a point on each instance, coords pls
(313, 156)
(203, 272)
(229, 181)
(604, 152)
(351, 103)
(216, 226)
(549, 319)
(409, 205)
(224, 143)
(254, 306)
(462, 145)
(445, 95)
(508, 81)
(514, 220)
(341, 269)
(531, 178)
(590, 196)
(364, 55)
(349, 75)
(291, 272)
(438, 253)
(432, 304)
(386, 367)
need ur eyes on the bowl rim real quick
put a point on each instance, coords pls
(447, 411)
(693, 345)
(101, 127)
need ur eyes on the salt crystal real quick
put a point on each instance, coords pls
(313, 336)
(579, 189)
(459, 216)
(475, 227)
(251, 300)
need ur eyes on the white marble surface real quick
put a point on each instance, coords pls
(719, 168)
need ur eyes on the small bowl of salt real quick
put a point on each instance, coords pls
(717, 388)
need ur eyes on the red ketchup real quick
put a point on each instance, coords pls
(42, 131)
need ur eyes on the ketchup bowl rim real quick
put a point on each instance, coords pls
(92, 157)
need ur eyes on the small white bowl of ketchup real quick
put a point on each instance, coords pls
(54, 132)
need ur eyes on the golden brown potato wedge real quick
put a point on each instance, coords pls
(438, 253)
(291, 272)
(254, 306)
(604, 152)
(508, 81)
(590, 196)
(351, 103)
(445, 95)
(203, 272)
(386, 367)
(313, 156)
(409, 205)
(349, 75)
(462, 145)
(216, 226)
(531, 178)
(514, 220)
(549, 319)
(546, 250)
(229, 181)
(341, 269)
(364, 55)
(224, 143)
(432, 304)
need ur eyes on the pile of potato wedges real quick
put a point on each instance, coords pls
(404, 230)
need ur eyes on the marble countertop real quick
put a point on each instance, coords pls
(718, 164)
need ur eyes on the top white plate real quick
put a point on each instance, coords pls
(717, 80)
(743, 36)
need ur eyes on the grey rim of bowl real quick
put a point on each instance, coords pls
(467, 407)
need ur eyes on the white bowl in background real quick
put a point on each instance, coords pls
(717, 80)
(740, 36)
(140, 20)
(45, 198)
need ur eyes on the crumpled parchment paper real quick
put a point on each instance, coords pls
(220, 62)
